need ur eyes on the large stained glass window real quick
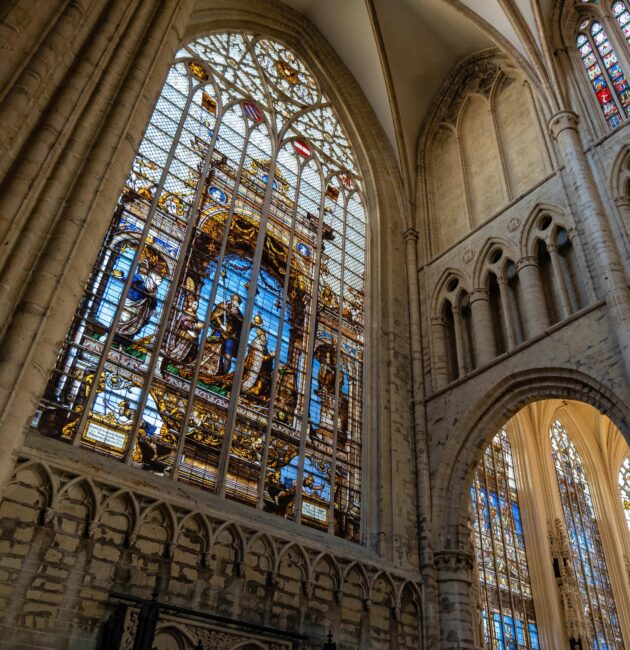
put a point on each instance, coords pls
(604, 72)
(585, 543)
(624, 488)
(622, 16)
(508, 616)
(219, 341)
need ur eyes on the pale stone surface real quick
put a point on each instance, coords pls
(74, 527)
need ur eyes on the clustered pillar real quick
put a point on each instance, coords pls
(76, 121)
(592, 219)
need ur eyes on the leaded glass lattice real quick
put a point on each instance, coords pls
(622, 16)
(508, 616)
(219, 341)
(585, 543)
(604, 72)
(624, 488)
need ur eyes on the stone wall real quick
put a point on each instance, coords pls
(73, 533)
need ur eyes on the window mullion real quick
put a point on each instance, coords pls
(338, 374)
(230, 420)
(172, 293)
(503, 538)
(523, 610)
(308, 370)
(276, 363)
(495, 544)
(132, 270)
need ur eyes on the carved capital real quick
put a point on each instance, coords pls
(524, 262)
(458, 561)
(479, 294)
(411, 234)
(561, 121)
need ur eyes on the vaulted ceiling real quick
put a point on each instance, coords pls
(401, 51)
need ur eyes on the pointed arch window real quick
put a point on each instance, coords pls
(604, 72)
(622, 16)
(508, 617)
(585, 543)
(219, 340)
(624, 488)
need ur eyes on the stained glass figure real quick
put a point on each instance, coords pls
(622, 16)
(604, 72)
(508, 617)
(219, 341)
(624, 488)
(587, 553)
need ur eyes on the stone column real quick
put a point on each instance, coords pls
(507, 311)
(51, 292)
(535, 308)
(459, 341)
(421, 440)
(439, 365)
(560, 280)
(454, 577)
(483, 331)
(591, 218)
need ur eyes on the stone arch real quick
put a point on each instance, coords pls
(521, 139)
(481, 153)
(159, 516)
(413, 590)
(335, 572)
(238, 542)
(489, 246)
(410, 615)
(204, 527)
(192, 540)
(298, 549)
(126, 497)
(441, 286)
(448, 218)
(491, 412)
(270, 546)
(387, 579)
(92, 496)
(46, 488)
(529, 235)
(178, 633)
(620, 175)
(364, 582)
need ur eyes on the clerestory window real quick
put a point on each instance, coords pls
(604, 72)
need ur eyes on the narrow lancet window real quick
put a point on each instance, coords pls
(622, 16)
(507, 606)
(587, 553)
(219, 341)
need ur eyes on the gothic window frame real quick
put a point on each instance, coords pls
(623, 27)
(498, 460)
(586, 588)
(588, 56)
(334, 182)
